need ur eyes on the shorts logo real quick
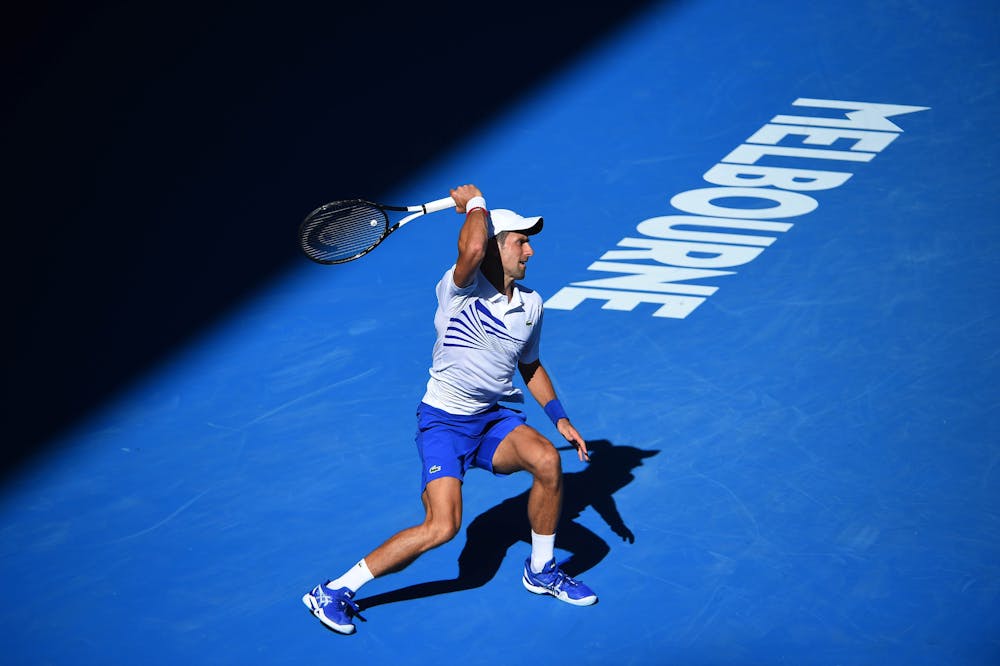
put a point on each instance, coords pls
(434, 469)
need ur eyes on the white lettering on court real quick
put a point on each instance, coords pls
(675, 252)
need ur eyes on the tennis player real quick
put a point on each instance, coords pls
(487, 325)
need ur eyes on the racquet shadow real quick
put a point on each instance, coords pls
(492, 533)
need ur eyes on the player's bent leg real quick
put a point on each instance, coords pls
(442, 500)
(526, 449)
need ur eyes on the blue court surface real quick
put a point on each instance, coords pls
(789, 383)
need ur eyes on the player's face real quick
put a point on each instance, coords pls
(514, 255)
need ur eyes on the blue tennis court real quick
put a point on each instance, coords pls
(789, 384)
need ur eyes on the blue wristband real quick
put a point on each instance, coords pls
(555, 410)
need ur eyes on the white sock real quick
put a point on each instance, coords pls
(353, 578)
(542, 550)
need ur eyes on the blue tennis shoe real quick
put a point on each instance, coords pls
(553, 580)
(334, 608)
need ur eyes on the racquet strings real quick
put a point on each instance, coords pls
(343, 230)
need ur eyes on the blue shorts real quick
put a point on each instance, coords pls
(449, 444)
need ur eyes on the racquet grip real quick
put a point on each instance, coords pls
(440, 204)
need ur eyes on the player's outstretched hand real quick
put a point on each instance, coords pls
(567, 430)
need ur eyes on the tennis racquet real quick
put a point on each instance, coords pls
(343, 231)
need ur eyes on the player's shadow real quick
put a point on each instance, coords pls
(491, 534)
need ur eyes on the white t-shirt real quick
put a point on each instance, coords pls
(480, 340)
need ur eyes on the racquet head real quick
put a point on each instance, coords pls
(343, 230)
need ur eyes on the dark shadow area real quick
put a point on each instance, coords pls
(492, 533)
(162, 155)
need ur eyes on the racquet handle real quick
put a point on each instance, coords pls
(440, 204)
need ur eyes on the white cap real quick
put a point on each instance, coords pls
(502, 219)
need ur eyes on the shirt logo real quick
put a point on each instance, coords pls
(434, 469)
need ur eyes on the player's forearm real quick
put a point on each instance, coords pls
(474, 234)
(539, 384)
(473, 237)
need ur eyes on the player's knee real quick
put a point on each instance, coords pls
(440, 532)
(548, 464)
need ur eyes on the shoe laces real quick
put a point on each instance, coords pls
(561, 579)
(323, 598)
(350, 606)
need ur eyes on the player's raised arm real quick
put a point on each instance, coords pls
(474, 235)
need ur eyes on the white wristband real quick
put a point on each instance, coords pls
(474, 203)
